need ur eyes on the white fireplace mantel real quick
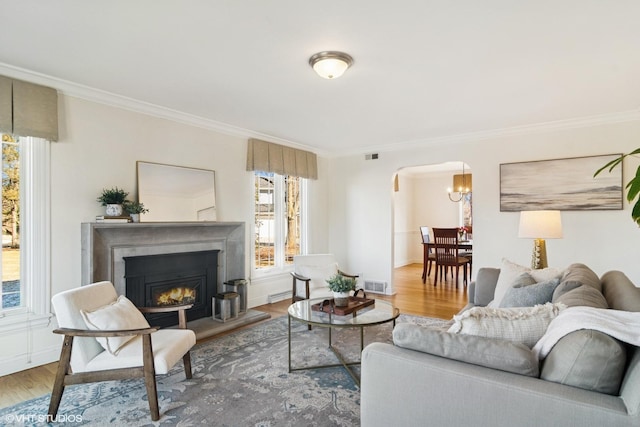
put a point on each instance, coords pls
(104, 246)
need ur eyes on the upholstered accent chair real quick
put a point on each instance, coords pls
(107, 338)
(310, 273)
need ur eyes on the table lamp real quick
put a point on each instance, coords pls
(540, 225)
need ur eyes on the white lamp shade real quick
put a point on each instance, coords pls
(540, 225)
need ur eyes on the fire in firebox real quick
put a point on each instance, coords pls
(176, 296)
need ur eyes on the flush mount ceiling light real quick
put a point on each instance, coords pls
(330, 64)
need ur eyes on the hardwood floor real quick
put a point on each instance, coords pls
(411, 297)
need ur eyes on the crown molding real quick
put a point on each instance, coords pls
(107, 98)
(99, 96)
(574, 123)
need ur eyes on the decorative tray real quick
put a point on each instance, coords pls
(355, 304)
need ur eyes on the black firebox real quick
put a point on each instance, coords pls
(173, 279)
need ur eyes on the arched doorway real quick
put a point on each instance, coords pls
(420, 198)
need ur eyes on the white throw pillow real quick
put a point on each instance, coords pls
(509, 272)
(120, 314)
(525, 325)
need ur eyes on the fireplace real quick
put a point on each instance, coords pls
(173, 279)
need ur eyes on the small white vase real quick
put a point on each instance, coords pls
(135, 217)
(114, 210)
(341, 299)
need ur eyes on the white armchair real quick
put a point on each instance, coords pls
(107, 338)
(310, 273)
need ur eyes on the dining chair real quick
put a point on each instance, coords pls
(447, 253)
(428, 257)
(106, 338)
(468, 253)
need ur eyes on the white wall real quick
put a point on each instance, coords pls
(98, 148)
(361, 191)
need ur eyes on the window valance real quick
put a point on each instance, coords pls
(269, 157)
(27, 109)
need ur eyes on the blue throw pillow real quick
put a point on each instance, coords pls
(528, 295)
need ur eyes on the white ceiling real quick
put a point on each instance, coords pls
(424, 69)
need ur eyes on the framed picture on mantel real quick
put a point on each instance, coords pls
(560, 184)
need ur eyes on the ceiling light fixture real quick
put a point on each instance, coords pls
(330, 64)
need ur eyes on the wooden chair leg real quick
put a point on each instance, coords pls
(464, 280)
(186, 361)
(150, 377)
(425, 261)
(457, 271)
(63, 368)
(435, 279)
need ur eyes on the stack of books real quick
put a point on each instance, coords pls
(113, 219)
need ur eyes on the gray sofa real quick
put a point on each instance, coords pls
(407, 386)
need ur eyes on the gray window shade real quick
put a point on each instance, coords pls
(269, 157)
(27, 109)
(6, 121)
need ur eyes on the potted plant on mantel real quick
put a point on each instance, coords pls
(134, 209)
(341, 286)
(633, 186)
(113, 199)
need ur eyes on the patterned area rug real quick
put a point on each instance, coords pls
(241, 379)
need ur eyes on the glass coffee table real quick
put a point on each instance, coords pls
(378, 313)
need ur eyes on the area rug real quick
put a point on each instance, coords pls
(240, 379)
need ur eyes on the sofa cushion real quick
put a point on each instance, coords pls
(583, 295)
(484, 286)
(580, 286)
(523, 324)
(525, 292)
(587, 359)
(620, 292)
(491, 353)
(119, 315)
(509, 272)
(580, 274)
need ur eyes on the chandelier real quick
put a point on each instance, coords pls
(461, 186)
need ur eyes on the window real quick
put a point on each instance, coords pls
(25, 232)
(10, 255)
(279, 220)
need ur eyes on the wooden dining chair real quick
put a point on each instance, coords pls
(447, 253)
(428, 256)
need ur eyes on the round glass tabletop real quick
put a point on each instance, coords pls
(380, 312)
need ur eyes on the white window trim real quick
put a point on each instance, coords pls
(281, 268)
(35, 237)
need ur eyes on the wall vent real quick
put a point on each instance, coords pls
(372, 156)
(281, 296)
(375, 286)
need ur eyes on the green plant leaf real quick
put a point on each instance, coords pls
(611, 165)
(635, 212)
(633, 186)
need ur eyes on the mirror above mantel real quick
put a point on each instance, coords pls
(176, 193)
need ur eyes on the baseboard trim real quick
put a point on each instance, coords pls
(23, 362)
